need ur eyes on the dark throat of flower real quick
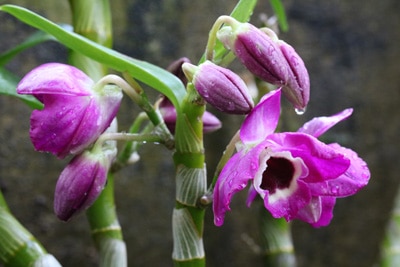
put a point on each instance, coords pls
(277, 175)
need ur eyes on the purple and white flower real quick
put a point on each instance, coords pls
(296, 175)
(75, 111)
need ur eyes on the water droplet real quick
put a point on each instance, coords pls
(300, 111)
(335, 189)
(253, 166)
(231, 106)
(205, 93)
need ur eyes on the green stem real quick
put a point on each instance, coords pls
(105, 228)
(390, 248)
(18, 247)
(277, 243)
(191, 182)
(131, 147)
(92, 19)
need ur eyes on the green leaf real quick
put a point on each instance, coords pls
(8, 84)
(280, 13)
(152, 75)
(36, 38)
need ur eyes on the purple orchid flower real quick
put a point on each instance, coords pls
(296, 175)
(75, 112)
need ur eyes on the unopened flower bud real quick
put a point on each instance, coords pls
(168, 112)
(297, 89)
(176, 69)
(220, 87)
(256, 50)
(82, 181)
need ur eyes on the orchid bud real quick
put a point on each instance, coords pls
(82, 181)
(176, 69)
(168, 112)
(297, 89)
(220, 87)
(75, 111)
(256, 50)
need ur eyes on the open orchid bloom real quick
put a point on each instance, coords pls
(296, 175)
(75, 112)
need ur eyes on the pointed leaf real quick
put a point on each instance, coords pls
(152, 75)
(36, 38)
(8, 84)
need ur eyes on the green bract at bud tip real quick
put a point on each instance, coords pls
(189, 70)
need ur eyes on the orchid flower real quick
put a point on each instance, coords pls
(75, 111)
(296, 175)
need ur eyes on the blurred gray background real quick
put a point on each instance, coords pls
(351, 49)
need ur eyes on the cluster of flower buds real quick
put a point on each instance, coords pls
(269, 58)
(264, 55)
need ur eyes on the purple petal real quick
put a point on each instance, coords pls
(319, 212)
(262, 120)
(320, 125)
(251, 195)
(233, 178)
(52, 128)
(221, 87)
(350, 182)
(322, 161)
(288, 206)
(258, 52)
(298, 84)
(55, 78)
(79, 185)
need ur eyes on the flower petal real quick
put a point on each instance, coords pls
(288, 206)
(319, 212)
(233, 178)
(350, 182)
(320, 125)
(323, 161)
(52, 128)
(55, 78)
(263, 119)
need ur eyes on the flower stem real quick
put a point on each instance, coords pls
(191, 181)
(390, 248)
(137, 94)
(18, 247)
(105, 227)
(277, 244)
(212, 36)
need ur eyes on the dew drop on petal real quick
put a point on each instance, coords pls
(231, 106)
(335, 190)
(253, 166)
(300, 111)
